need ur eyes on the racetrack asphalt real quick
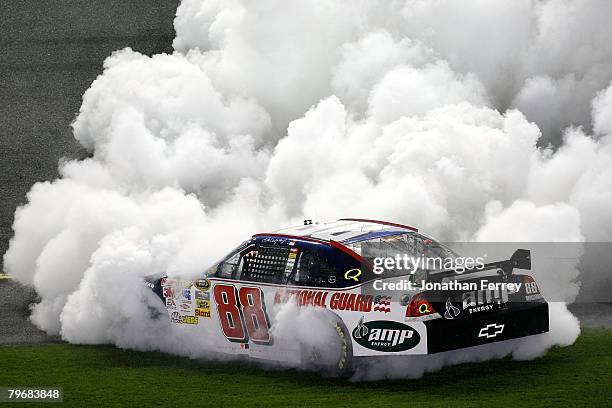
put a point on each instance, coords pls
(50, 52)
(15, 326)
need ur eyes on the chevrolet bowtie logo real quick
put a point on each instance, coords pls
(491, 330)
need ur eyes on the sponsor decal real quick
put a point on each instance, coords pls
(203, 313)
(187, 294)
(382, 304)
(290, 262)
(202, 295)
(491, 330)
(353, 302)
(176, 317)
(190, 320)
(168, 292)
(451, 311)
(484, 300)
(185, 307)
(302, 297)
(203, 304)
(352, 274)
(202, 284)
(385, 335)
(169, 282)
(170, 304)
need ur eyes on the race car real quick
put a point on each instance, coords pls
(371, 310)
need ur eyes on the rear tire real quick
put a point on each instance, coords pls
(334, 358)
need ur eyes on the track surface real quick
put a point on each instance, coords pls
(15, 326)
(50, 52)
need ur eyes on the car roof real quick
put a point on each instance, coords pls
(344, 230)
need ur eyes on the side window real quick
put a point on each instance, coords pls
(314, 270)
(263, 264)
(229, 266)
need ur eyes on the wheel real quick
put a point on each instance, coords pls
(333, 357)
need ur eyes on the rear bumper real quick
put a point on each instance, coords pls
(445, 334)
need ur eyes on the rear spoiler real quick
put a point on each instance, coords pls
(520, 259)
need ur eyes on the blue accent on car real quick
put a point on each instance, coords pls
(372, 235)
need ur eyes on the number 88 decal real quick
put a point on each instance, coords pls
(242, 308)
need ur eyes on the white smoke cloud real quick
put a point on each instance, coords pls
(436, 113)
(546, 58)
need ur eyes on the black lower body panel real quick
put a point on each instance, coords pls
(514, 322)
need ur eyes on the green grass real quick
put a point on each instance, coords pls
(579, 375)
